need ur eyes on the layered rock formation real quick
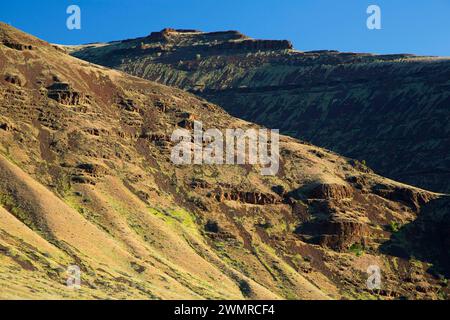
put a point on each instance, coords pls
(64, 94)
(391, 111)
(91, 183)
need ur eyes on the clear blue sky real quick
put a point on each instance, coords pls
(411, 26)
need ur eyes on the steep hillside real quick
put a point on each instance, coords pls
(86, 179)
(391, 111)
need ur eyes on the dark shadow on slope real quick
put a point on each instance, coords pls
(427, 238)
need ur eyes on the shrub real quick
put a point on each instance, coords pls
(357, 249)
(394, 226)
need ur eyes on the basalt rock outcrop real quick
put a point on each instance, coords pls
(164, 35)
(413, 198)
(246, 197)
(331, 191)
(258, 45)
(15, 79)
(65, 94)
(127, 104)
(389, 111)
(88, 184)
(341, 234)
(17, 45)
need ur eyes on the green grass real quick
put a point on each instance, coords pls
(394, 226)
(9, 203)
(175, 216)
(357, 249)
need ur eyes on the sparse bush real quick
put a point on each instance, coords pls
(357, 249)
(394, 226)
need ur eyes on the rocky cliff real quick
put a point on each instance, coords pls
(391, 111)
(86, 179)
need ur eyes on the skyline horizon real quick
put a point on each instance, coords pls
(411, 27)
(229, 30)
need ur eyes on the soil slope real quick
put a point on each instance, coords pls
(86, 179)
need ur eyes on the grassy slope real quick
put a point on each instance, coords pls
(133, 221)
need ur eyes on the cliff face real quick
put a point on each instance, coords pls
(86, 179)
(391, 111)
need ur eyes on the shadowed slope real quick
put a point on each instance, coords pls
(390, 110)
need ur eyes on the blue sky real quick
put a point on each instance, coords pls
(414, 26)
